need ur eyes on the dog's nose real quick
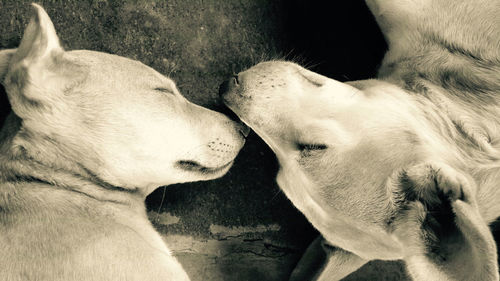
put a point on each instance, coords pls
(229, 85)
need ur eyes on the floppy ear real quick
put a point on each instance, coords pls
(29, 79)
(445, 235)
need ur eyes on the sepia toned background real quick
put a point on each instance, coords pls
(239, 227)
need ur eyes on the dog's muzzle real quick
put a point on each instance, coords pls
(228, 86)
(226, 90)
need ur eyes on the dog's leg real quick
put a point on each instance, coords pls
(340, 264)
(312, 262)
(440, 224)
(323, 262)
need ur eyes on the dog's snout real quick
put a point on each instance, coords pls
(229, 85)
(240, 126)
(229, 93)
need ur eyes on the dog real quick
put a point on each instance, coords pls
(402, 167)
(89, 137)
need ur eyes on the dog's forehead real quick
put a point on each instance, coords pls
(273, 67)
(114, 67)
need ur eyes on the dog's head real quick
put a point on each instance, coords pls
(344, 142)
(347, 140)
(343, 150)
(117, 118)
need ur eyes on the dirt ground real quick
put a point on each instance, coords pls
(239, 227)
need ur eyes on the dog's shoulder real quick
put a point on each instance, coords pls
(451, 44)
(447, 57)
(56, 229)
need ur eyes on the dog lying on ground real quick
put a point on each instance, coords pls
(91, 134)
(405, 166)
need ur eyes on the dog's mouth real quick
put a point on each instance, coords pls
(193, 166)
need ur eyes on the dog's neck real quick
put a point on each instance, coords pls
(32, 165)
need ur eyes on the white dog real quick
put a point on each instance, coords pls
(406, 166)
(90, 136)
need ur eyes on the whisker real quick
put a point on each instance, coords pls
(276, 194)
(157, 219)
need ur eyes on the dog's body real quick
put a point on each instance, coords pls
(90, 136)
(402, 167)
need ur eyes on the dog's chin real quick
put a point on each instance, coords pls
(204, 171)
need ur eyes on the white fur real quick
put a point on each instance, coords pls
(373, 164)
(90, 136)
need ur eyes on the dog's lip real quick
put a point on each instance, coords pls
(193, 166)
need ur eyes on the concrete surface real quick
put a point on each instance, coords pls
(239, 227)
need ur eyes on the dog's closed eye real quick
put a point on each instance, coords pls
(164, 90)
(308, 149)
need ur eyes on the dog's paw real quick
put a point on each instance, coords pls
(433, 183)
(427, 194)
(439, 223)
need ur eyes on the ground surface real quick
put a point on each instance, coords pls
(239, 227)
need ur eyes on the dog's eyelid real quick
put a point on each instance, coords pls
(164, 90)
(307, 150)
(311, 146)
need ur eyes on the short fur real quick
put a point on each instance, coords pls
(405, 166)
(90, 136)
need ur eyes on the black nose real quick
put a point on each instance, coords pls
(228, 85)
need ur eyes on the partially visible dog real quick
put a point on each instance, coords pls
(91, 134)
(406, 166)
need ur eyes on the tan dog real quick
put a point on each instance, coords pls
(91, 134)
(403, 167)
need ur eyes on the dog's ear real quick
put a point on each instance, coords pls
(40, 42)
(442, 228)
(32, 77)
